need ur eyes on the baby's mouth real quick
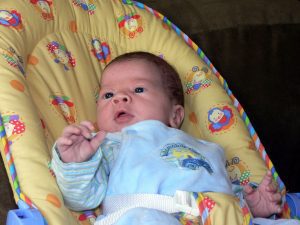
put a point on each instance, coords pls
(123, 117)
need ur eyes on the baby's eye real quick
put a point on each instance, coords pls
(108, 95)
(139, 90)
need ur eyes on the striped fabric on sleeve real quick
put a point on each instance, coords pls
(83, 185)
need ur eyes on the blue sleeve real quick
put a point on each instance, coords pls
(83, 185)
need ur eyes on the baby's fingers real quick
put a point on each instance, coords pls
(88, 124)
(97, 139)
(85, 132)
(248, 189)
(267, 180)
(62, 143)
(84, 129)
(275, 198)
(71, 130)
(277, 208)
(272, 188)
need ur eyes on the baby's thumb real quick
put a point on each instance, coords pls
(97, 140)
(248, 189)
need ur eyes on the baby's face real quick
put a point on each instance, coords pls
(131, 91)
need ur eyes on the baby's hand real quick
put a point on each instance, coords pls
(77, 143)
(265, 199)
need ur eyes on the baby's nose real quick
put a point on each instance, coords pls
(121, 98)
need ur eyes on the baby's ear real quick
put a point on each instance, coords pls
(176, 116)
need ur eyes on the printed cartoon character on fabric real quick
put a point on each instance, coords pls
(63, 105)
(196, 80)
(238, 172)
(130, 24)
(13, 59)
(61, 55)
(14, 127)
(86, 5)
(44, 7)
(185, 157)
(11, 19)
(174, 161)
(220, 118)
(101, 50)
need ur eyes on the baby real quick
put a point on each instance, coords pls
(139, 148)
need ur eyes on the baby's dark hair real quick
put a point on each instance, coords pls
(169, 76)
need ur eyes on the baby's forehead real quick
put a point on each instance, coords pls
(134, 81)
(133, 63)
(145, 71)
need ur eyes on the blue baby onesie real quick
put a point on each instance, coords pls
(147, 157)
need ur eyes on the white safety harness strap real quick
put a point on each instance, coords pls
(114, 207)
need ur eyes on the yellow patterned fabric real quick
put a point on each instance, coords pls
(218, 209)
(52, 54)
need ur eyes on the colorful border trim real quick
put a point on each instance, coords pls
(21, 198)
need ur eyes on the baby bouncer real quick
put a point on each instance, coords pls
(52, 54)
